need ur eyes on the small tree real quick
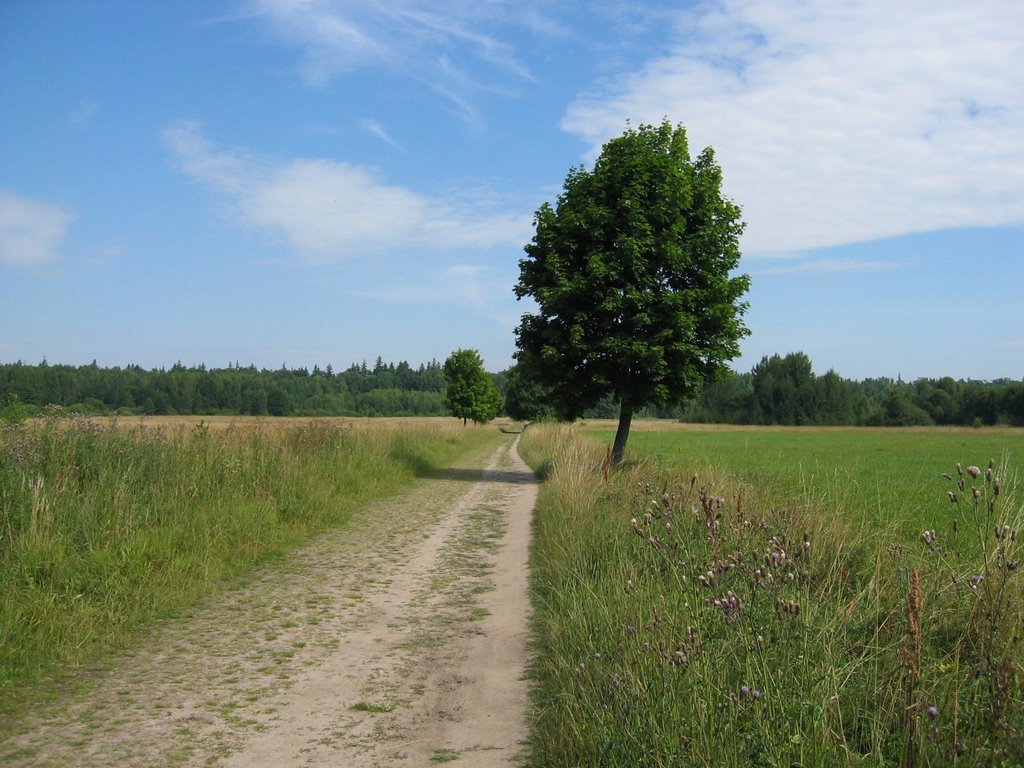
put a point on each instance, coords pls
(631, 274)
(470, 394)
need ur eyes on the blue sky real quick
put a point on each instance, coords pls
(313, 182)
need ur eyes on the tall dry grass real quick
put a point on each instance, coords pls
(105, 527)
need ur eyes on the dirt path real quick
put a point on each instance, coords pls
(398, 641)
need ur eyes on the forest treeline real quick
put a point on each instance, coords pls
(361, 390)
(784, 390)
(779, 390)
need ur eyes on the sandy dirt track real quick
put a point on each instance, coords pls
(399, 640)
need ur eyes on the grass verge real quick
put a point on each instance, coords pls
(690, 617)
(104, 529)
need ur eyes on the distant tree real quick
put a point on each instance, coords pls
(278, 402)
(470, 392)
(631, 274)
(725, 401)
(833, 402)
(525, 399)
(900, 411)
(784, 389)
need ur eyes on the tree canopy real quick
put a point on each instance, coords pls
(631, 273)
(471, 392)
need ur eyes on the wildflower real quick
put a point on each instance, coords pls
(952, 497)
(933, 712)
(973, 471)
(745, 690)
(756, 694)
(731, 605)
(975, 580)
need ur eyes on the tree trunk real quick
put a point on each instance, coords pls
(622, 433)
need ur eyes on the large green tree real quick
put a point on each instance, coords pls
(632, 275)
(471, 393)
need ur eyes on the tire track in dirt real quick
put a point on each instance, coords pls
(399, 639)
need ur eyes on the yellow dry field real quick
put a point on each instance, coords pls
(276, 423)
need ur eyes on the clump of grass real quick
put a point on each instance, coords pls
(975, 697)
(687, 618)
(104, 528)
(376, 708)
(443, 756)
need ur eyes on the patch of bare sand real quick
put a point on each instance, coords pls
(398, 640)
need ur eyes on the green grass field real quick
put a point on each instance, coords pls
(812, 597)
(887, 476)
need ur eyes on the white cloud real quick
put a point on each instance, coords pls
(31, 231)
(447, 45)
(328, 210)
(837, 123)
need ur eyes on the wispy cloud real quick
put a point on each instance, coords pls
(452, 46)
(378, 130)
(841, 122)
(328, 210)
(31, 231)
(828, 265)
(85, 115)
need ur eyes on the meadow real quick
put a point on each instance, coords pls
(108, 525)
(778, 597)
